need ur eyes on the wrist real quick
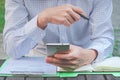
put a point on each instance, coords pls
(42, 22)
(93, 53)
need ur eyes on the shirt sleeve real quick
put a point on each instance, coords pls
(20, 35)
(102, 35)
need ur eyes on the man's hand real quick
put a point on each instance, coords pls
(65, 15)
(73, 58)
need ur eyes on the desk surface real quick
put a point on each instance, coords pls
(79, 77)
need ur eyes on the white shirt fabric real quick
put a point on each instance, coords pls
(21, 33)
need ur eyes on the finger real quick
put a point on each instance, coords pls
(70, 19)
(74, 8)
(78, 10)
(53, 60)
(74, 15)
(63, 64)
(61, 61)
(67, 23)
(67, 67)
(64, 56)
(63, 52)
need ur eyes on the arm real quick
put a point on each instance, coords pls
(20, 35)
(102, 31)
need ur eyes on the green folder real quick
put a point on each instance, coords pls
(62, 74)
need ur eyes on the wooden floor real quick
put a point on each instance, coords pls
(79, 77)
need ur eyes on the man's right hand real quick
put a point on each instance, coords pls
(65, 15)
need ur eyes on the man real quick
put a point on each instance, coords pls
(29, 22)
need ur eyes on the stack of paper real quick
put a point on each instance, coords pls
(27, 65)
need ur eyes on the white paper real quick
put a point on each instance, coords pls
(109, 64)
(28, 65)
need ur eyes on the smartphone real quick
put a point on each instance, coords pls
(52, 48)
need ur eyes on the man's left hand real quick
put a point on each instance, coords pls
(73, 58)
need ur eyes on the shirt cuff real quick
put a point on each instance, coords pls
(33, 31)
(100, 55)
(102, 49)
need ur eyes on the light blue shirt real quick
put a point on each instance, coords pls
(21, 33)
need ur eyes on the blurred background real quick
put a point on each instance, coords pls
(115, 21)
